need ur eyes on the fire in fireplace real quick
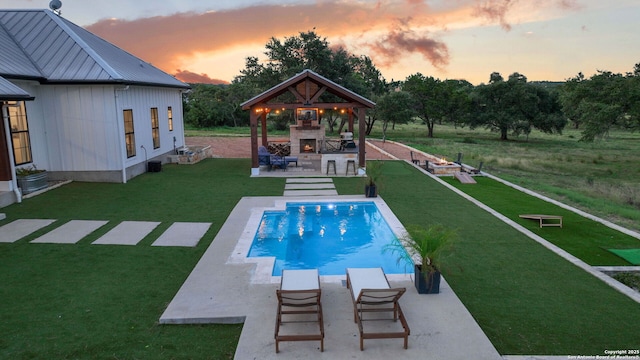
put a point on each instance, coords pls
(307, 145)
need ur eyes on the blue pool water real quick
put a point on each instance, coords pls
(326, 236)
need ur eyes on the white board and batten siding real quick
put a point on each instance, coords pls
(140, 100)
(80, 128)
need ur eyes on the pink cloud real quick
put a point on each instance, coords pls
(401, 41)
(166, 41)
(193, 78)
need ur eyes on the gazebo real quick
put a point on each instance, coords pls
(307, 135)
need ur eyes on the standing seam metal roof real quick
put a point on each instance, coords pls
(40, 44)
(9, 91)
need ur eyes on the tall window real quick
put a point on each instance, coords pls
(129, 134)
(155, 128)
(19, 132)
(170, 117)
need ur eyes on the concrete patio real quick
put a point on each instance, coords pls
(221, 289)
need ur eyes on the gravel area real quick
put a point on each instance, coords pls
(240, 147)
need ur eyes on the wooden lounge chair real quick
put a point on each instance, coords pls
(371, 293)
(299, 300)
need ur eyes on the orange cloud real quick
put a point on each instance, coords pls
(401, 40)
(170, 41)
(495, 11)
(193, 78)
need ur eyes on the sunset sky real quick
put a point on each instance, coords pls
(208, 41)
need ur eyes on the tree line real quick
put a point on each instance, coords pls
(511, 107)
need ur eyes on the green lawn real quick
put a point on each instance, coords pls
(88, 301)
(584, 238)
(527, 299)
(600, 178)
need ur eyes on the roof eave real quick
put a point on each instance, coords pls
(278, 89)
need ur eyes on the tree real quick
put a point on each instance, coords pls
(603, 101)
(515, 106)
(205, 106)
(457, 105)
(430, 96)
(395, 107)
(309, 51)
(288, 57)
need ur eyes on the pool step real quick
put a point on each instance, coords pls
(309, 187)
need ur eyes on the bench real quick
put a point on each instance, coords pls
(542, 219)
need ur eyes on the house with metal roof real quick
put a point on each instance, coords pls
(78, 106)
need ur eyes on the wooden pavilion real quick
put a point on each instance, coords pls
(308, 132)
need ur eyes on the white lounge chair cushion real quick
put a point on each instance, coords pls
(367, 278)
(300, 280)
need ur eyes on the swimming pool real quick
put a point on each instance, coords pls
(327, 236)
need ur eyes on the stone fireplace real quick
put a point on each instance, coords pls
(306, 139)
(308, 145)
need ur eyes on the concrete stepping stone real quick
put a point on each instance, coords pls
(309, 180)
(308, 186)
(71, 232)
(310, 192)
(127, 233)
(18, 229)
(182, 234)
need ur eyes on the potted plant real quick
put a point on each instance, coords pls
(425, 249)
(373, 173)
(31, 179)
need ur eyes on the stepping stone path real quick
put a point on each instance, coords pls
(182, 234)
(18, 229)
(127, 233)
(71, 232)
(309, 187)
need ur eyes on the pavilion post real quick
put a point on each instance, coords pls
(263, 120)
(253, 124)
(361, 137)
(351, 120)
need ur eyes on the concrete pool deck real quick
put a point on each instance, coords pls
(223, 289)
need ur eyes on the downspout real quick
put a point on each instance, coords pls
(12, 162)
(120, 125)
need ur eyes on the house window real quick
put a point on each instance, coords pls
(129, 134)
(155, 128)
(17, 113)
(170, 117)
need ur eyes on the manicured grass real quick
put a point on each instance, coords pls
(600, 177)
(88, 301)
(103, 302)
(527, 299)
(586, 239)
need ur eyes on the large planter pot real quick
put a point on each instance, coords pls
(33, 182)
(429, 284)
(370, 191)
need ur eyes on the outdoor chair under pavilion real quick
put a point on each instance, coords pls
(278, 161)
(299, 301)
(371, 293)
(264, 157)
(273, 160)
